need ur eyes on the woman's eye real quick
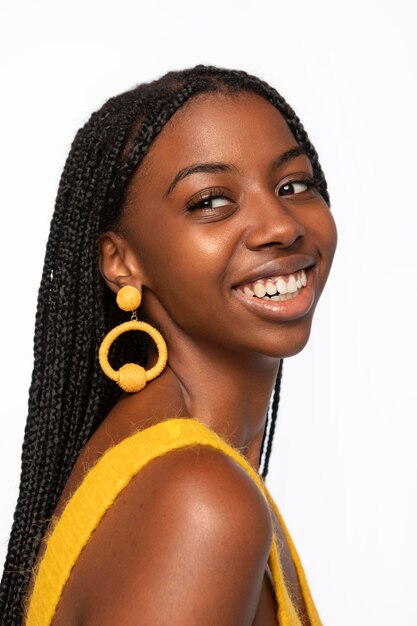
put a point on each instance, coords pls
(295, 186)
(208, 201)
(212, 203)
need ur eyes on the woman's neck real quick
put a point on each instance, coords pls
(228, 392)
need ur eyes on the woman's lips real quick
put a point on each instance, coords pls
(295, 306)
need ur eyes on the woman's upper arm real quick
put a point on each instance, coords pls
(196, 552)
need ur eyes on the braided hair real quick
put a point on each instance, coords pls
(69, 395)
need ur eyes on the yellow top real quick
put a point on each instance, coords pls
(101, 486)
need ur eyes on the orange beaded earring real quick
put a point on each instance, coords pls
(132, 377)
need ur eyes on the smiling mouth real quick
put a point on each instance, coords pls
(276, 288)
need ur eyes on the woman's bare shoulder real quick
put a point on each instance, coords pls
(188, 538)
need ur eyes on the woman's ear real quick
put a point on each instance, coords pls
(118, 265)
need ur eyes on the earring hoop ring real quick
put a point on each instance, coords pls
(132, 377)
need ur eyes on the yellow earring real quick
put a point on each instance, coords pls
(132, 377)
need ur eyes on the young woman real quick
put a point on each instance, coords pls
(201, 195)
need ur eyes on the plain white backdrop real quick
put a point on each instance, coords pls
(344, 466)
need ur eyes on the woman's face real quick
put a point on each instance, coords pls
(233, 240)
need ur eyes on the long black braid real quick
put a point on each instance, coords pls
(69, 396)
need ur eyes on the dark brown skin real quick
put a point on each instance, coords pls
(188, 540)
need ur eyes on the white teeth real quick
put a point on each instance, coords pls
(247, 291)
(292, 285)
(281, 286)
(271, 290)
(260, 290)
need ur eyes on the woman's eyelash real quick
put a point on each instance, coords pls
(205, 196)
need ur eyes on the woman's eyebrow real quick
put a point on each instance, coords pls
(208, 168)
(215, 167)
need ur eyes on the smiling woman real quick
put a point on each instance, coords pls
(200, 198)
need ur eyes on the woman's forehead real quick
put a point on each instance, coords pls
(214, 127)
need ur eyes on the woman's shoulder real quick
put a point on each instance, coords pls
(191, 529)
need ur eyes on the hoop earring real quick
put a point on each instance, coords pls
(132, 377)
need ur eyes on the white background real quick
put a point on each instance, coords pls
(344, 468)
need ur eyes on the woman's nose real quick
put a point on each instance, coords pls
(272, 223)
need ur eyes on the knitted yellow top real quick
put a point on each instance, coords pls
(101, 486)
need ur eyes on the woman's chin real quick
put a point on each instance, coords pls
(286, 343)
